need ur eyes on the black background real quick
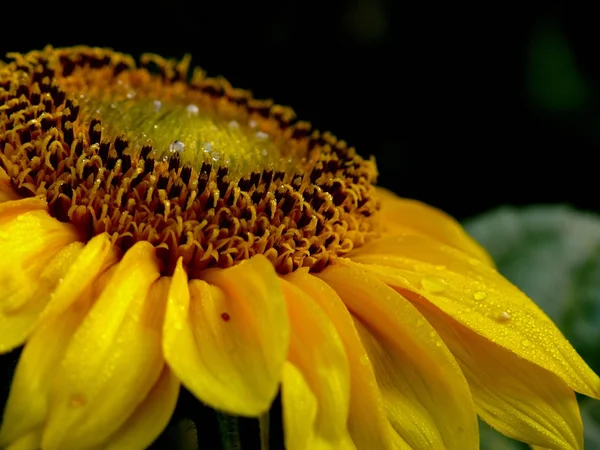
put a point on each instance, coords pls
(438, 94)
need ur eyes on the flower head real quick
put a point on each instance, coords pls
(159, 230)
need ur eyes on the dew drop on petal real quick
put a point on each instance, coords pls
(434, 284)
(480, 295)
(503, 316)
(525, 343)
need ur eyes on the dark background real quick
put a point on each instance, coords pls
(465, 108)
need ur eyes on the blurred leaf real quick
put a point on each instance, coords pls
(552, 253)
(553, 79)
(590, 412)
(490, 439)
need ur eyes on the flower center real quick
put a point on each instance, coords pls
(199, 169)
(196, 134)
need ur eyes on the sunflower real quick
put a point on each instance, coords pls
(160, 229)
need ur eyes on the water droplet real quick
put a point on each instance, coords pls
(216, 156)
(525, 343)
(253, 124)
(364, 359)
(480, 295)
(434, 284)
(192, 109)
(261, 135)
(234, 124)
(503, 316)
(176, 146)
(77, 400)
(207, 147)
(432, 334)
(157, 105)
(131, 94)
(474, 262)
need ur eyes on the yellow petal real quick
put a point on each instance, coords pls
(17, 323)
(295, 391)
(406, 216)
(516, 397)
(367, 420)
(151, 416)
(478, 297)
(318, 353)
(27, 405)
(97, 256)
(425, 393)
(36, 251)
(31, 441)
(113, 359)
(227, 340)
(6, 191)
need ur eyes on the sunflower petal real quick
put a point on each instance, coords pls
(367, 420)
(114, 357)
(95, 258)
(151, 416)
(227, 341)
(478, 297)
(31, 441)
(543, 413)
(17, 323)
(426, 395)
(295, 391)
(27, 405)
(405, 216)
(36, 252)
(318, 353)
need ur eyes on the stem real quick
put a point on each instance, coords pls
(230, 432)
(263, 423)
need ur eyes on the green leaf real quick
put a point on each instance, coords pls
(490, 439)
(590, 413)
(552, 253)
(554, 81)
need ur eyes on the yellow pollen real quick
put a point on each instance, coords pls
(196, 135)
